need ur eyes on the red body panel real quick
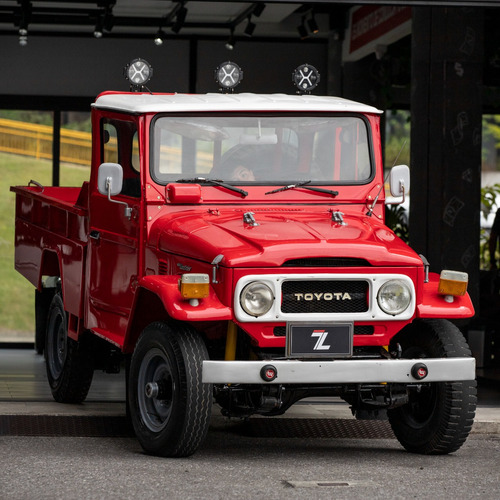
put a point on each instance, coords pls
(434, 305)
(105, 258)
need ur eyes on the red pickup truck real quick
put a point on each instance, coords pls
(231, 248)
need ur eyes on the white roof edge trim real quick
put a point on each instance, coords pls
(175, 103)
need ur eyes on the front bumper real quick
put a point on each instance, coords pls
(345, 371)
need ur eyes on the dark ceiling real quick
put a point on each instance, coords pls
(184, 18)
(145, 18)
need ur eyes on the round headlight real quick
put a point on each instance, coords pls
(394, 297)
(256, 299)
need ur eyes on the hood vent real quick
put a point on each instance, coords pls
(327, 262)
(163, 267)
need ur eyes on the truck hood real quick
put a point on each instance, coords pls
(281, 234)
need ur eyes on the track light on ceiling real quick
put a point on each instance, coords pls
(259, 9)
(250, 27)
(98, 27)
(26, 9)
(160, 37)
(301, 28)
(108, 21)
(313, 25)
(180, 19)
(23, 37)
(23, 34)
(230, 41)
(105, 21)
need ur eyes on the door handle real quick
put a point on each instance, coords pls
(95, 235)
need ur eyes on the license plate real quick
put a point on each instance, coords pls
(319, 340)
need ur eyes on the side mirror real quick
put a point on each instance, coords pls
(110, 179)
(110, 183)
(399, 181)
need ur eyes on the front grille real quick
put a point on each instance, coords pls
(334, 296)
(279, 331)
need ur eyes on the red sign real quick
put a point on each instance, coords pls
(371, 22)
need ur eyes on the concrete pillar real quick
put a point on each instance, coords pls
(446, 113)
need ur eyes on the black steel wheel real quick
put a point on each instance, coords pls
(439, 416)
(69, 363)
(169, 405)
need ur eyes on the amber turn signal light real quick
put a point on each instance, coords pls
(453, 283)
(194, 285)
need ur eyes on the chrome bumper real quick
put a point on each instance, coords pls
(345, 371)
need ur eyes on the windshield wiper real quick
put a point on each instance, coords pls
(215, 182)
(304, 185)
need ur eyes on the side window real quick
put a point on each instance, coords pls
(120, 144)
(109, 153)
(134, 160)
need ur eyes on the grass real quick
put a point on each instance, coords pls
(16, 293)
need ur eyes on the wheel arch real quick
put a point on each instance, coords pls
(147, 309)
(50, 265)
(158, 299)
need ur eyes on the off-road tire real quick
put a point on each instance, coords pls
(438, 419)
(43, 300)
(174, 422)
(69, 363)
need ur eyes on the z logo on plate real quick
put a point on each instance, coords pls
(320, 343)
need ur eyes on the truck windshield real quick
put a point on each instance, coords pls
(262, 149)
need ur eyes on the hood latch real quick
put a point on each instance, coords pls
(338, 217)
(248, 218)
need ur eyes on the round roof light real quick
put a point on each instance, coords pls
(228, 75)
(305, 78)
(138, 72)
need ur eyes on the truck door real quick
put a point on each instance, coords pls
(112, 264)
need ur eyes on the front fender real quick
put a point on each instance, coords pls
(434, 304)
(167, 290)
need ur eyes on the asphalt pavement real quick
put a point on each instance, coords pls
(317, 450)
(232, 465)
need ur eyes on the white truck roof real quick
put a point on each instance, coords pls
(175, 103)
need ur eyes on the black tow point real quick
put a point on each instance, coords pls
(268, 373)
(419, 371)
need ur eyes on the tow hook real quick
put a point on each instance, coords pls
(396, 354)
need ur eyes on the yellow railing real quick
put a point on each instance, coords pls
(36, 140)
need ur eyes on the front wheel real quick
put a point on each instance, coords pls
(439, 416)
(169, 405)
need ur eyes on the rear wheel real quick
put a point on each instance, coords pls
(43, 300)
(69, 363)
(439, 416)
(169, 405)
